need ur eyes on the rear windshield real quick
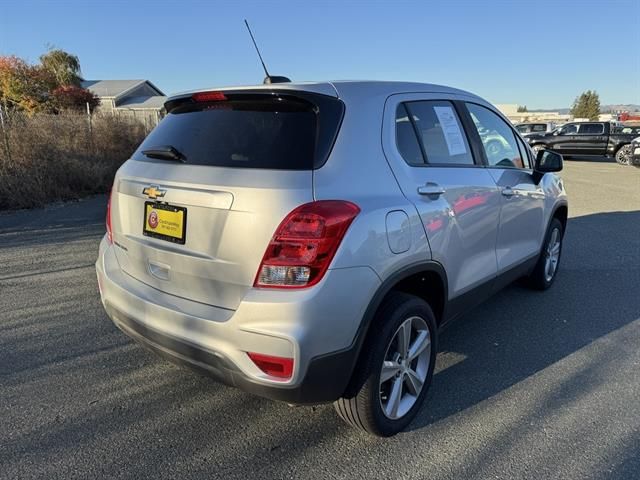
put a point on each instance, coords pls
(250, 130)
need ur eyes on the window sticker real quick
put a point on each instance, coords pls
(451, 129)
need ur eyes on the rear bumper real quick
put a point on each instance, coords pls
(317, 327)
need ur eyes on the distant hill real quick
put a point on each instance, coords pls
(631, 107)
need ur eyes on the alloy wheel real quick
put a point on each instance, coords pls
(623, 157)
(405, 367)
(552, 255)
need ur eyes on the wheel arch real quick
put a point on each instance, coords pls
(561, 212)
(412, 279)
(619, 145)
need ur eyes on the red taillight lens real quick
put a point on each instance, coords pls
(304, 244)
(108, 222)
(209, 97)
(279, 367)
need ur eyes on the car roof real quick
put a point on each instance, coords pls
(338, 88)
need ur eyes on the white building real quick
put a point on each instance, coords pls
(510, 110)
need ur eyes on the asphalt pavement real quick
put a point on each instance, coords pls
(528, 385)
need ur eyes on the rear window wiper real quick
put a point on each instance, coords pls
(165, 152)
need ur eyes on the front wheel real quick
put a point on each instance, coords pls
(623, 155)
(395, 368)
(546, 269)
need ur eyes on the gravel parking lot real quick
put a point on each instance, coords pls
(529, 385)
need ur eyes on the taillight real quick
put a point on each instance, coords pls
(279, 367)
(108, 222)
(304, 244)
(209, 97)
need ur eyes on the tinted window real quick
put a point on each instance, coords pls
(539, 128)
(406, 139)
(568, 129)
(440, 132)
(591, 129)
(523, 128)
(498, 139)
(250, 131)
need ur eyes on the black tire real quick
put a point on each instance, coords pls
(363, 408)
(539, 279)
(623, 155)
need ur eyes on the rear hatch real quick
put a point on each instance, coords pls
(195, 207)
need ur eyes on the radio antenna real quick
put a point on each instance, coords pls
(268, 78)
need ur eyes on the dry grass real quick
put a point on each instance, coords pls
(57, 157)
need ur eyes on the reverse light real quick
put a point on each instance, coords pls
(278, 367)
(209, 97)
(108, 221)
(304, 244)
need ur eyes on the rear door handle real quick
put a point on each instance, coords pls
(431, 189)
(508, 192)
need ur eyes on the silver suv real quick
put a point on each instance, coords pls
(305, 242)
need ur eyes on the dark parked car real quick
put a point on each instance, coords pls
(588, 138)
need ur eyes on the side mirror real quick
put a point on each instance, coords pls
(546, 161)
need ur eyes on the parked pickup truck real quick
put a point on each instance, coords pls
(587, 138)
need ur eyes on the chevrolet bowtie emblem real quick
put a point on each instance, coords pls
(153, 192)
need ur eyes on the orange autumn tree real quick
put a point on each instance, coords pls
(51, 86)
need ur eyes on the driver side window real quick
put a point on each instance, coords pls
(498, 140)
(569, 129)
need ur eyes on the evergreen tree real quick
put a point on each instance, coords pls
(587, 105)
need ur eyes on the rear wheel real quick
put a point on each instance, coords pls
(546, 269)
(623, 155)
(395, 368)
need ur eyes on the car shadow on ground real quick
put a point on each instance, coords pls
(520, 332)
(81, 397)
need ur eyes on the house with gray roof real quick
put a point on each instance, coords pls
(137, 98)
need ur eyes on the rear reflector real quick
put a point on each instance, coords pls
(304, 244)
(279, 367)
(209, 97)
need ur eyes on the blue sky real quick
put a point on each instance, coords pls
(538, 53)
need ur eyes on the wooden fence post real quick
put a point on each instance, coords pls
(5, 135)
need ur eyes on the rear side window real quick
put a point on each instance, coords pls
(441, 138)
(406, 138)
(250, 130)
(591, 129)
(539, 128)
